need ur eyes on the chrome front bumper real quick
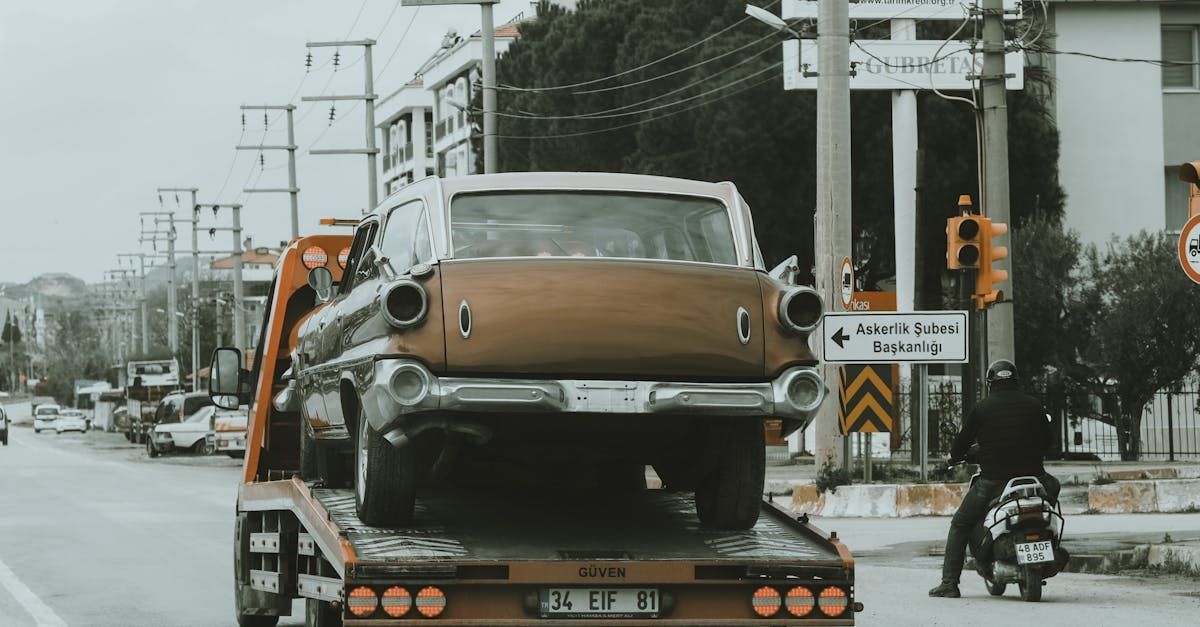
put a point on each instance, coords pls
(401, 387)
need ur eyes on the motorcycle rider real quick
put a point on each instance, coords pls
(1013, 432)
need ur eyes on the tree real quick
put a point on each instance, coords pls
(717, 111)
(1045, 285)
(12, 329)
(75, 352)
(1139, 314)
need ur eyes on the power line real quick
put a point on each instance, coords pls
(1100, 57)
(672, 55)
(401, 41)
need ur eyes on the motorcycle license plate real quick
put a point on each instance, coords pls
(1035, 552)
(599, 603)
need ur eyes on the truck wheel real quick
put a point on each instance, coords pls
(321, 614)
(1031, 584)
(730, 496)
(385, 488)
(151, 450)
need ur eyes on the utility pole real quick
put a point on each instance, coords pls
(172, 297)
(239, 322)
(368, 97)
(290, 147)
(832, 232)
(142, 308)
(1000, 342)
(195, 283)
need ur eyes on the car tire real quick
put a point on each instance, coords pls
(321, 614)
(384, 478)
(731, 495)
(151, 450)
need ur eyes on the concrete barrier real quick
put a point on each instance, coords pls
(1181, 559)
(1145, 473)
(1126, 497)
(879, 500)
(933, 499)
(1180, 495)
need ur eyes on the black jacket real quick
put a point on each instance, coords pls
(1013, 433)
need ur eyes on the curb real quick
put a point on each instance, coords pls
(1137, 497)
(880, 500)
(1179, 559)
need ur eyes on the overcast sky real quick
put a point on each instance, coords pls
(103, 101)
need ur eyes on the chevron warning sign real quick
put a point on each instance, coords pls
(867, 400)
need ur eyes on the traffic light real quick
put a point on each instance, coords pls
(986, 293)
(963, 246)
(1190, 172)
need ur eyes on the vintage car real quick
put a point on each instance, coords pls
(229, 429)
(600, 322)
(193, 434)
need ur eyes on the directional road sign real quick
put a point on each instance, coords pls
(1189, 248)
(889, 338)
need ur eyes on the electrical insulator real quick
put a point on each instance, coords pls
(262, 161)
(332, 114)
(308, 62)
(337, 57)
(266, 123)
(216, 208)
(160, 200)
(243, 121)
(212, 233)
(176, 199)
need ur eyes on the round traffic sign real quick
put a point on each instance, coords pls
(1189, 248)
(847, 280)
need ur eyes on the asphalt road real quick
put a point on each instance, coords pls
(94, 533)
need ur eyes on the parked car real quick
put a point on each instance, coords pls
(229, 426)
(177, 406)
(71, 420)
(597, 321)
(3, 427)
(192, 434)
(44, 416)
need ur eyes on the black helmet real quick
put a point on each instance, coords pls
(1002, 370)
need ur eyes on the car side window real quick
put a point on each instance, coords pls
(423, 246)
(400, 235)
(363, 239)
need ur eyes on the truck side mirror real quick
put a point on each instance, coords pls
(227, 380)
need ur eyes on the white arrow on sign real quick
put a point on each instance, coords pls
(889, 338)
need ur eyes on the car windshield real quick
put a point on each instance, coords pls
(591, 224)
(191, 404)
(47, 411)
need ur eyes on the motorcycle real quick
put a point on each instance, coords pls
(1020, 539)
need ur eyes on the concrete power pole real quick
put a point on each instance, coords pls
(290, 147)
(195, 284)
(488, 33)
(368, 97)
(1000, 344)
(239, 322)
(168, 218)
(832, 233)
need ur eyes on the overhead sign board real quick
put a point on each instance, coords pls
(938, 337)
(890, 65)
(897, 9)
(1189, 248)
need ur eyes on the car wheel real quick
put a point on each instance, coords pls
(321, 614)
(151, 450)
(384, 478)
(731, 495)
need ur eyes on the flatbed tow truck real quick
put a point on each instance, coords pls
(533, 557)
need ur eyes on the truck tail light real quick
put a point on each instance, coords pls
(314, 257)
(362, 601)
(766, 601)
(833, 601)
(343, 257)
(800, 601)
(431, 601)
(396, 601)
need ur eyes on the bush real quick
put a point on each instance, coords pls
(830, 476)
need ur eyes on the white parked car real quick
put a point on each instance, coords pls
(190, 434)
(230, 428)
(71, 420)
(44, 417)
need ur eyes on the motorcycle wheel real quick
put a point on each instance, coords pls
(1031, 584)
(995, 589)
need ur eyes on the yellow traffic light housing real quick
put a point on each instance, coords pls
(1190, 173)
(986, 293)
(963, 246)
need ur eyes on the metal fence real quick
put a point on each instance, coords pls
(1170, 428)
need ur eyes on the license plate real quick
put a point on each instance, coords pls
(1035, 552)
(600, 602)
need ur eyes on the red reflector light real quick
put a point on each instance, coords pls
(800, 601)
(833, 601)
(396, 601)
(343, 257)
(766, 601)
(431, 602)
(314, 257)
(362, 601)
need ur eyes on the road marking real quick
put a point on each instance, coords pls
(41, 613)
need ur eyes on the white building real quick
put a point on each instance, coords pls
(426, 124)
(1125, 127)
